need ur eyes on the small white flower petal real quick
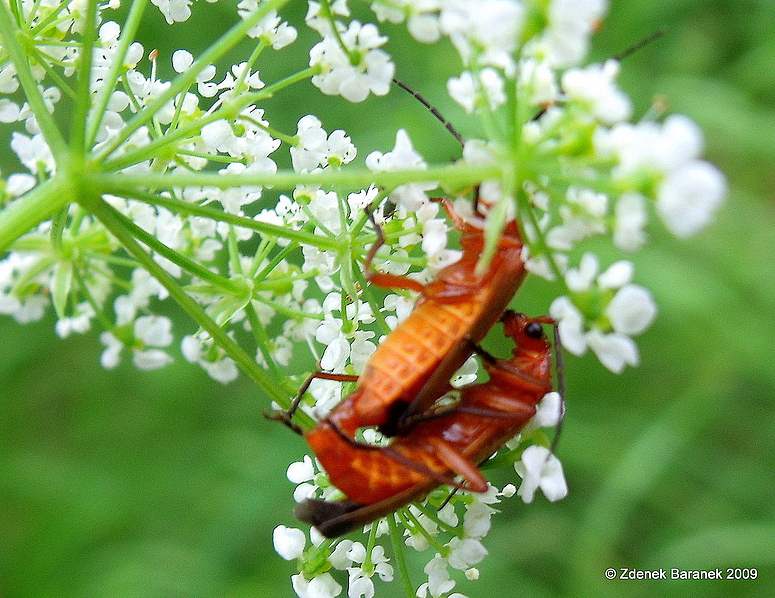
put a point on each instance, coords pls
(182, 60)
(683, 136)
(550, 410)
(616, 275)
(304, 491)
(357, 552)
(340, 558)
(154, 330)
(632, 310)
(151, 359)
(111, 356)
(438, 577)
(539, 468)
(301, 471)
(335, 354)
(631, 217)
(465, 552)
(360, 586)
(570, 324)
(476, 522)
(322, 586)
(613, 350)
(289, 542)
(688, 199)
(580, 279)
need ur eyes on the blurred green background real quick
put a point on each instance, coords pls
(167, 484)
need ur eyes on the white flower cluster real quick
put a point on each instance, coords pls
(348, 60)
(628, 311)
(615, 168)
(641, 164)
(644, 163)
(75, 272)
(268, 262)
(360, 564)
(468, 514)
(582, 127)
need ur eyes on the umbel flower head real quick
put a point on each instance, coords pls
(165, 191)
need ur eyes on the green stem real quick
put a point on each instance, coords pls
(287, 311)
(227, 41)
(108, 216)
(432, 514)
(33, 93)
(287, 179)
(539, 243)
(261, 339)
(46, 22)
(82, 101)
(263, 94)
(410, 521)
(398, 554)
(325, 12)
(40, 204)
(83, 287)
(185, 263)
(156, 146)
(182, 207)
(128, 31)
(56, 77)
(240, 86)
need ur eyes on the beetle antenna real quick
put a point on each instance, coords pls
(559, 370)
(434, 111)
(637, 46)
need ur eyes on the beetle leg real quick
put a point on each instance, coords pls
(286, 417)
(480, 351)
(459, 464)
(439, 478)
(381, 279)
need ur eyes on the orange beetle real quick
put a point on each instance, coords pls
(414, 363)
(445, 443)
(412, 367)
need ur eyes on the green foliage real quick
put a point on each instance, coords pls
(166, 484)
